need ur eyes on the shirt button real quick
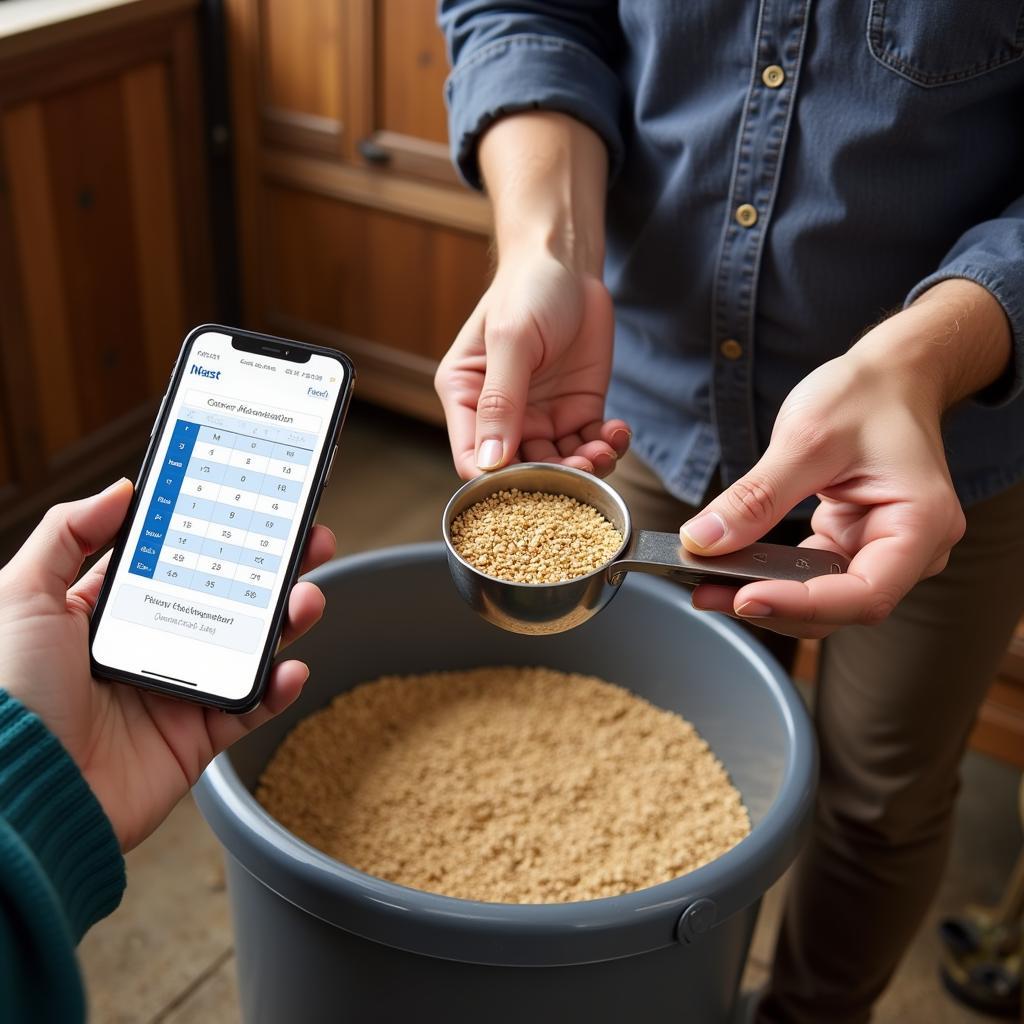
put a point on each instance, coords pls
(773, 76)
(731, 349)
(746, 215)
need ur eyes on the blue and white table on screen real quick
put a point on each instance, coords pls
(223, 506)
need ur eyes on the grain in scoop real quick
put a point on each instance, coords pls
(534, 537)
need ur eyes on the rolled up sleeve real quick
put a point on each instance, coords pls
(992, 254)
(511, 57)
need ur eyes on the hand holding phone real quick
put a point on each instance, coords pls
(139, 751)
(194, 601)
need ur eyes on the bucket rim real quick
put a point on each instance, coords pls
(503, 934)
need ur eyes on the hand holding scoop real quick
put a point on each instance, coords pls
(543, 608)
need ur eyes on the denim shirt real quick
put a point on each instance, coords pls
(783, 175)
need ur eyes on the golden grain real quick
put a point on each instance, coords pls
(510, 785)
(534, 537)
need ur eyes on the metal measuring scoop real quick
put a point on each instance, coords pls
(542, 608)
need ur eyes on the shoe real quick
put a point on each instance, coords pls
(981, 963)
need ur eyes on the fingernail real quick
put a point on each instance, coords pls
(488, 455)
(705, 531)
(117, 483)
(621, 436)
(604, 460)
(754, 610)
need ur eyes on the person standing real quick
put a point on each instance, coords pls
(704, 216)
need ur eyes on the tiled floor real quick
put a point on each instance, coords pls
(166, 955)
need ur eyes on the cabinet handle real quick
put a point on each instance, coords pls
(372, 153)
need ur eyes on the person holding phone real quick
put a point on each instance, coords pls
(753, 186)
(88, 769)
(189, 609)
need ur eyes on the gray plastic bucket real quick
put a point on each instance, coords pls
(318, 941)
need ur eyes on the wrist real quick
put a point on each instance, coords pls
(952, 342)
(551, 236)
(546, 176)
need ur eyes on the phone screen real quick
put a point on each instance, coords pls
(194, 591)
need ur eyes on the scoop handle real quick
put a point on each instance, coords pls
(663, 555)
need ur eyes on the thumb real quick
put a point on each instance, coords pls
(54, 552)
(501, 406)
(746, 511)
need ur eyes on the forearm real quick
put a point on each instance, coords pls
(546, 175)
(951, 343)
(60, 869)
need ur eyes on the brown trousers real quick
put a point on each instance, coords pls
(894, 707)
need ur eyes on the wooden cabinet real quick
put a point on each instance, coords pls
(354, 228)
(103, 250)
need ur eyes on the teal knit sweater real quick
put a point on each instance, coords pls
(61, 870)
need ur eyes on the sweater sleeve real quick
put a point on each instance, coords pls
(61, 870)
(530, 55)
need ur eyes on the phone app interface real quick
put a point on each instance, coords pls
(196, 586)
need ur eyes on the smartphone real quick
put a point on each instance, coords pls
(195, 596)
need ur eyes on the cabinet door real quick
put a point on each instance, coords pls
(301, 45)
(104, 260)
(96, 225)
(354, 80)
(404, 123)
